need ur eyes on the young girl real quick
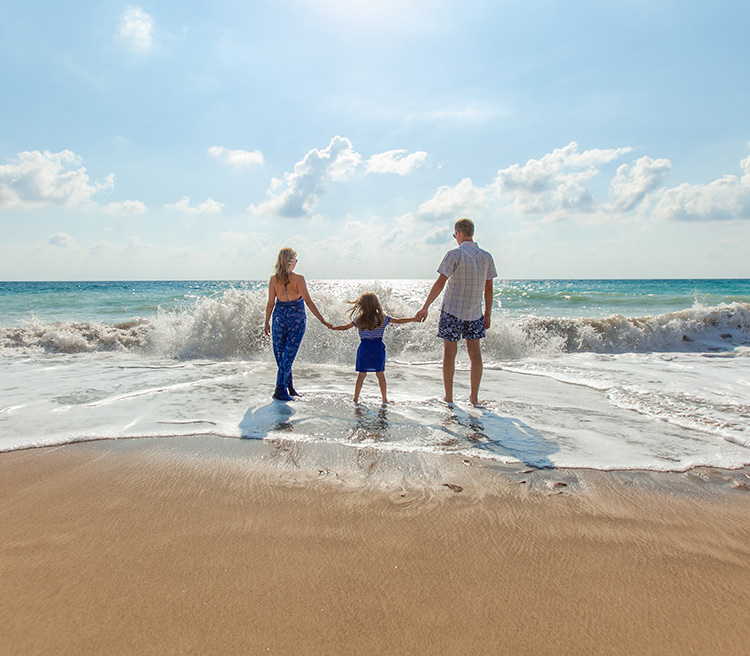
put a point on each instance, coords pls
(369, 319)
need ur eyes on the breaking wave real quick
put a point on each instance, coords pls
(230, 326)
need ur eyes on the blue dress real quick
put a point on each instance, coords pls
(288, 328)
(371, 351)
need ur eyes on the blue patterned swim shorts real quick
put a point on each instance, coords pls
(453, 329)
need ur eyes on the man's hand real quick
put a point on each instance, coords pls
(421, 315)
(487, 320)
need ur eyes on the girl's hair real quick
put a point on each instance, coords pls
(367, 313)
(284, 265)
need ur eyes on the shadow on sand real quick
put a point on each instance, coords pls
(477, 428)
(502, 436)
(261, 421)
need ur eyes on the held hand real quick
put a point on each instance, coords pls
(328, 325)
(421, 315)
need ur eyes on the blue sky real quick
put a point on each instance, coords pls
(193, 140)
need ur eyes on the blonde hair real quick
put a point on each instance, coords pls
(287, 256)
(367, 312)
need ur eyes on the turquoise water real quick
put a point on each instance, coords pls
(113, 302)
(630, 298)
(122, 301)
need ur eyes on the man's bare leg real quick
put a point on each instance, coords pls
(474, 349)
(449, 368)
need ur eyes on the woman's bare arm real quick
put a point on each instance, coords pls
(309, 302)
(269, 305)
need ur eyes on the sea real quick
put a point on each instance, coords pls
(598, 374)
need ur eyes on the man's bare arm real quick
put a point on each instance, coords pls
(437, 287)
(488, 300)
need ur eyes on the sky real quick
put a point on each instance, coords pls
(187, 140)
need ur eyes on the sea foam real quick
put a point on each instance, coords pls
(230, 326)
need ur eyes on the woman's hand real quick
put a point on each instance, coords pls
(267, 330)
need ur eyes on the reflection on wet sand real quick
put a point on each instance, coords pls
(371, 425)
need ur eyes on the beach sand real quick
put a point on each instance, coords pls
(215, 546)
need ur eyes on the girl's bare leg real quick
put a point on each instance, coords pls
(381, 382)
(358, 385)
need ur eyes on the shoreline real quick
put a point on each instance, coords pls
(209, 545)
(702, 480)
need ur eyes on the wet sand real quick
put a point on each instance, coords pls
(212, 546)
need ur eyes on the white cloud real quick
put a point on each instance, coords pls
(35, 179)
(136, 28)
(236, 158)
(726, 199)
(298, 193)
(526, 231)
(235, 238)
(100, 247)
(136, 245)
(632, 184)
(245, 245)
(555, 186)
(453, 202)
(468, 114)
(556, 182)
(62, 239)
(126, 208)
(208, 206)
(438, 236)
(396, 161)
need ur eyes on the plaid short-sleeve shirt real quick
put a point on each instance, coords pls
(467, 268)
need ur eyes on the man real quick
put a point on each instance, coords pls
(468, 272)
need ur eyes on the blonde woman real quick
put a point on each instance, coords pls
(287, 295)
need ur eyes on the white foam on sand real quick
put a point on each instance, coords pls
(612, 412)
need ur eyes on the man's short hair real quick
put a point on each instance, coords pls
(465, 227)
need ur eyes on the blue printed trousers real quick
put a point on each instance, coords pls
(287, 330)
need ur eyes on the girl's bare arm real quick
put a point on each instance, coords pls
(406, 320)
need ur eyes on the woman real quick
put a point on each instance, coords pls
(287, 295)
